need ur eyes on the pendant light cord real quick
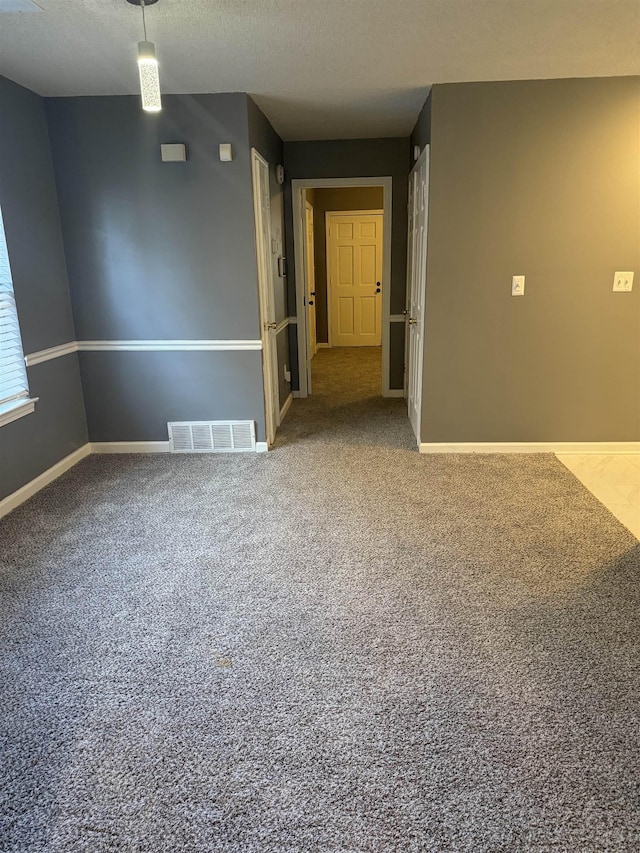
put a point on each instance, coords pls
(144, 23)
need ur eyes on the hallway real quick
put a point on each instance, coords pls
(346, 405)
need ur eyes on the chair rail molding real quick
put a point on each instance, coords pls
(168, 345)
(52, 352)
(141, 346)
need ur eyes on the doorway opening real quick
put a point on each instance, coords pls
(342, 239)
(343, 267)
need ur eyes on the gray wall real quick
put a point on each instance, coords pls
(159, 251)
(539, 178)
(353, 158)
(264, 139)
(37, 441)
(132, 396)
(322, 200)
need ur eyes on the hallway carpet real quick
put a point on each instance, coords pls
(336, 646)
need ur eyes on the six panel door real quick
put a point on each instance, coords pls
(355, 276)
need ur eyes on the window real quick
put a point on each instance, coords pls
(14, 388)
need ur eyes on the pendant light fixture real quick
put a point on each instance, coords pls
(148, 66)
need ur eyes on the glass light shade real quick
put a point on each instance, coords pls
(149, 78)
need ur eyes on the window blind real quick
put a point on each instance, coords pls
(13, 373)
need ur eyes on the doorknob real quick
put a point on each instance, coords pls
(412, 321)
(312, 293)
(271, 325)
(310, 302)
(377, 290)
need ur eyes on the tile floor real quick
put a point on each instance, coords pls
(614, 479)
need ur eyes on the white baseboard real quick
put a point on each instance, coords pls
(29, 489)
(146, 447)
(130, 447)
(394, 392)
(323, 346)
(605, 447)
(296, 395)
(285, 407)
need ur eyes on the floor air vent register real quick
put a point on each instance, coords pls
(212, 437)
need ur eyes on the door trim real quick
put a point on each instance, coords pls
(327, 215)
(266, 299)
(298, 186)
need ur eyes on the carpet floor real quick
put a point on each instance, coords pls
(340, 645)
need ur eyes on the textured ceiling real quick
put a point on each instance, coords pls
(319, 68)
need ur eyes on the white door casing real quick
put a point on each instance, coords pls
(311, 280)
(262, 213)
(354, 277)
(417, 281)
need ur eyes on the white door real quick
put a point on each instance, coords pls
(417, 281)
(262, 212)
(409, 280)
(311, 281)
(355, 279)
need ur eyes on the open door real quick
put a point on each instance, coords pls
(311, 281)
(262, 213)
(417, 283)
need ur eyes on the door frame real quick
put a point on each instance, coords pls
(266, 299)
(327, 214)
(298, 187)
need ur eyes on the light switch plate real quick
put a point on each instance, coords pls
(623, 282)
(517, 285)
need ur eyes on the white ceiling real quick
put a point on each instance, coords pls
(319, 69)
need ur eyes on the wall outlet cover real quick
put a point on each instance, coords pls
(623, 282)
(517, 285)
(226, 152)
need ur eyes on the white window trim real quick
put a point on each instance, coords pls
(17, 409)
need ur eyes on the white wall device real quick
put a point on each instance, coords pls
(517, 285)
(623, 282)
(280, 174)
(174, 152)
(226, 153)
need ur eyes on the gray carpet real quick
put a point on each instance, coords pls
(336, 646)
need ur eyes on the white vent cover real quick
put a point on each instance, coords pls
(212, 436)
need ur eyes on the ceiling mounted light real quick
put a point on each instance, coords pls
(148, 66)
